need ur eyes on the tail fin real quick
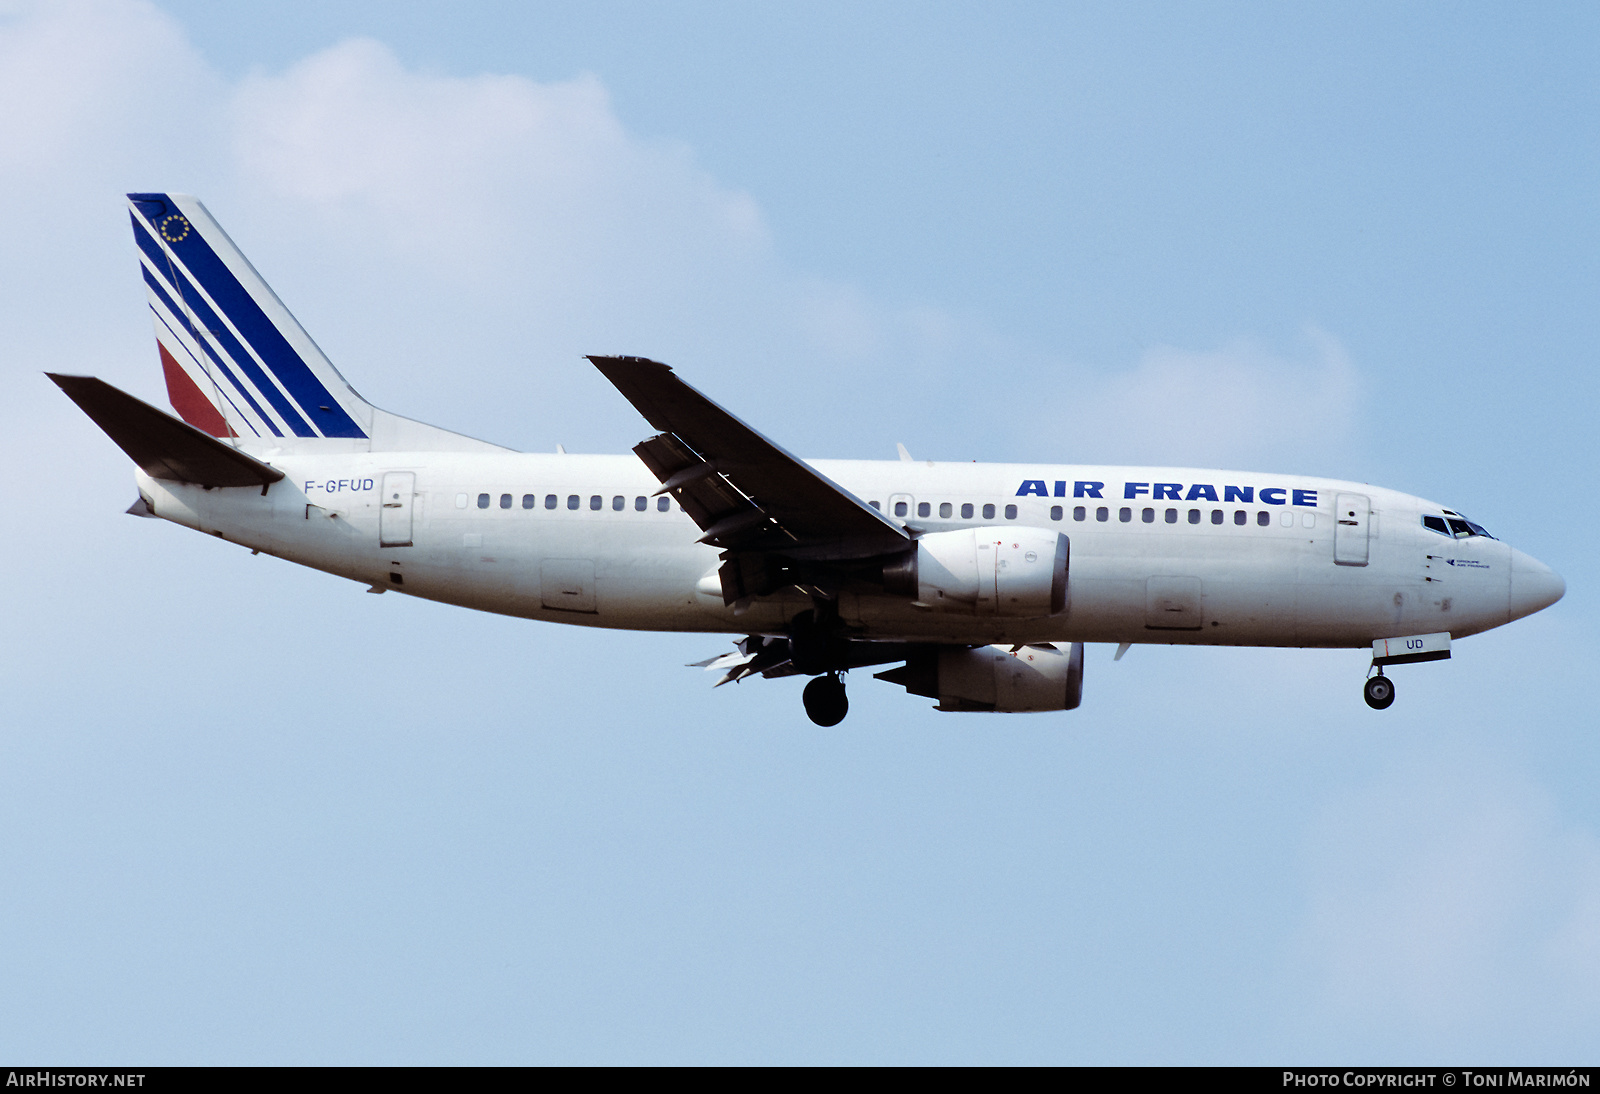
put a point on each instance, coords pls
(237, 364)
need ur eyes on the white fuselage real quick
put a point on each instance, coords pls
(1254, 567)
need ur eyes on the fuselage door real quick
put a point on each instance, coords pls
(1351, 518)
(394, 518)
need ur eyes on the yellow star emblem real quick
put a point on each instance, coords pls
(174, 228)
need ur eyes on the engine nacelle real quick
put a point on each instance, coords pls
(992, 678)
(1009, 571)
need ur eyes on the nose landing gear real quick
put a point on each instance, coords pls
(1379, 691)
(1409, 649)
(825, 700)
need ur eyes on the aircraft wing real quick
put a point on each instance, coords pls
(745, 492)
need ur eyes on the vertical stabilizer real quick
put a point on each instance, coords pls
(237, 363)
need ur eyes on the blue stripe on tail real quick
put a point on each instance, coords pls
(195, 309)
(296, 377)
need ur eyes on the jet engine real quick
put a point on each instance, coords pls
(1047, 676)
(1009, 571)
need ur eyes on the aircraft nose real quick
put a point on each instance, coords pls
(1534, 585)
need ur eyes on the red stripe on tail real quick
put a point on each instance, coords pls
(189, 401)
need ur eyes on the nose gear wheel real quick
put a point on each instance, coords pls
(1379, 692)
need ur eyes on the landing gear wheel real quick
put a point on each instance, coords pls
(1379, 692)
(825, 700)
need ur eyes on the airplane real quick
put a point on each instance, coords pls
(979, 583)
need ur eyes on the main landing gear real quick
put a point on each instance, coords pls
(825, 700)
(1379, 691)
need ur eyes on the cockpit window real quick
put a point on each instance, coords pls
(1456, 527)
(1463, 528)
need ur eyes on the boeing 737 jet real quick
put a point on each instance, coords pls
(977, 584)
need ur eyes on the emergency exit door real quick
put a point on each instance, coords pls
(394, 518)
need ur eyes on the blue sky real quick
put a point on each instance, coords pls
(249, 814)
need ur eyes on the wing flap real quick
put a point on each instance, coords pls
(710, 499)
(163, 446)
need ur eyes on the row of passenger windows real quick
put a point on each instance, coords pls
(1147, 515)
(947, 510)
(1102, 514)
(597, 502)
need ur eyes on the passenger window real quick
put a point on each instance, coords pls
(1308, 520)
(483, 501)
(1286, 519)
(876, 505)
(1011, 512)
(1216, 516)
(641, 503)
(1172, 516)
(1148, 516)
(1102, 514)
(529, 501)
(946, 510)
(924, 509)
(505, 501)
(988, 512)
(663, 503)
(1194, 516)
(1435, 524)
(966, 511)
(1055, 512)
(549, 501)
(1125, 514)
(900, 509)
(1078, 512)
(572, 501)
(1240, 517)
(617, 503)
(1263, 518)
(461, 501)
(594, 501)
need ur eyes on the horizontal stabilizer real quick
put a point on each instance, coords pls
(163, 446)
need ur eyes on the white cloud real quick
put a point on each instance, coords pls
(455, 167)
(1242, 405)
(94, 86)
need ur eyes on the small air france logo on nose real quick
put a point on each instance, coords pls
(174, 229)
(1470, 563)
